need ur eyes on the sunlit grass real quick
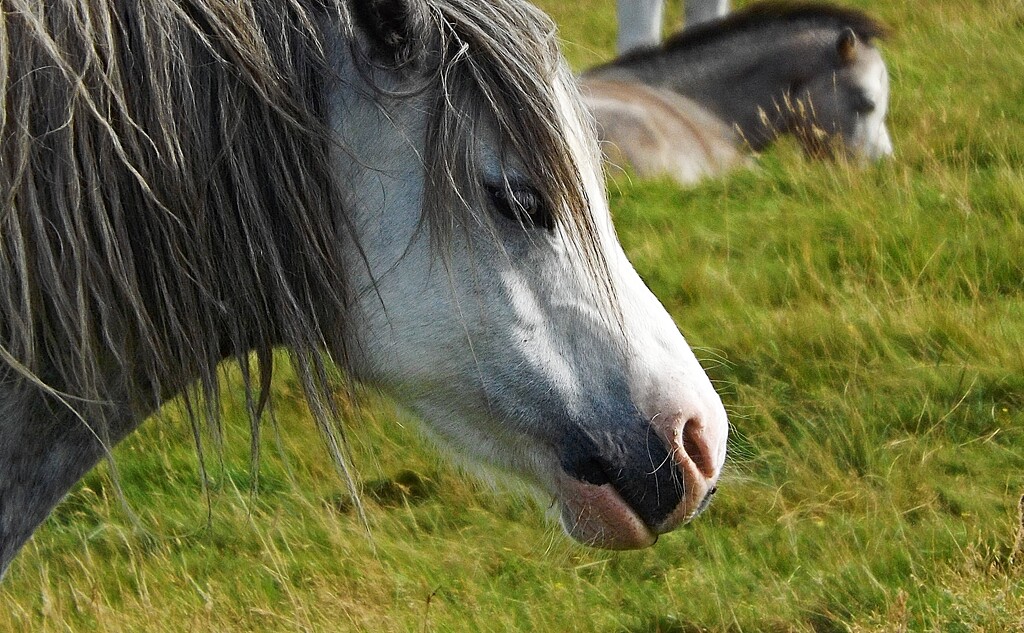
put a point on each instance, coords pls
(865, 326)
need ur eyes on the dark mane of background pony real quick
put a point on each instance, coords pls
(169, 198)
(761, 15)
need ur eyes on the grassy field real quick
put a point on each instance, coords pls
(865, 327)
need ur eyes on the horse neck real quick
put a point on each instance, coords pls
(745, 77)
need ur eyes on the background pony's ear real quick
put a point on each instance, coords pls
(396, 30)
(846, 46)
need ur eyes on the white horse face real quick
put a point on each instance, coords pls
(852, 103)
(503, 343)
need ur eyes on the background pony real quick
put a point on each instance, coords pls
(810, 70)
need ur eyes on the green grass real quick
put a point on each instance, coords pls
(865, 327)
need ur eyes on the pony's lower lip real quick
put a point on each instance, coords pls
(597, 516)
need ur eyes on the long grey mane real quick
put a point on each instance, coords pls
(168, 197)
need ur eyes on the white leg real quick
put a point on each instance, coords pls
(639, 24)
(698, 11)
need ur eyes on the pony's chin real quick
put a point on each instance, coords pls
(597, 516)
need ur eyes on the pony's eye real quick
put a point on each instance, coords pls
(864, 105)
(523, 204)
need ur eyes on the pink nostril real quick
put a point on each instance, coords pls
(696, 448)
(696, 435)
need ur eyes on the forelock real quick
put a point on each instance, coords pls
(500, 64)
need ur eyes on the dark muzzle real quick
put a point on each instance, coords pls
(634, 459)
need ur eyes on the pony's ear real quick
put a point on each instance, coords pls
(846, 46)
(397, 30)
